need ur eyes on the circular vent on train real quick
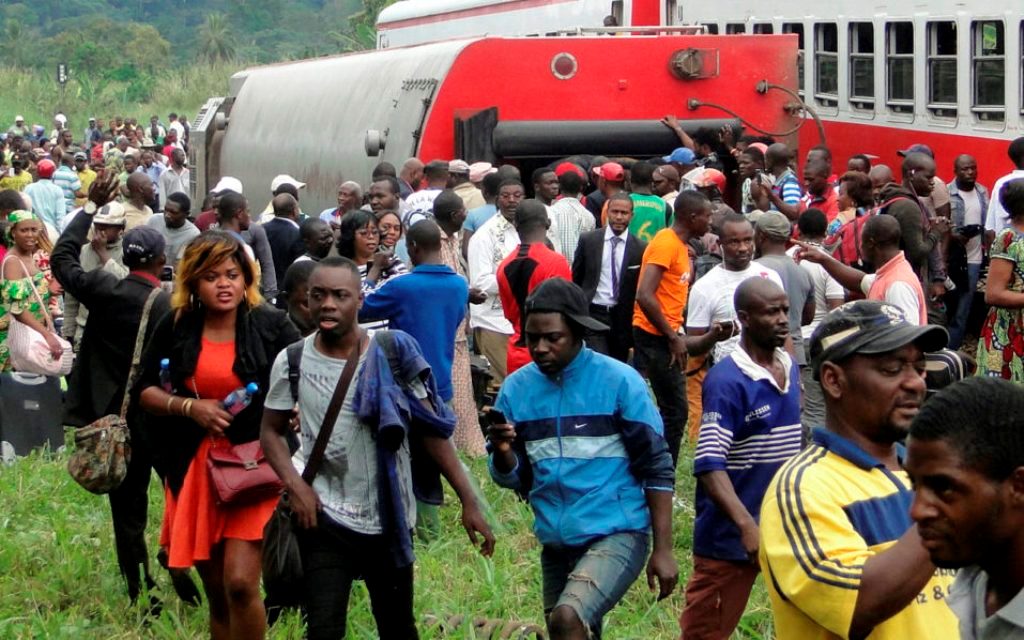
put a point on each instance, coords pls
(564, 66)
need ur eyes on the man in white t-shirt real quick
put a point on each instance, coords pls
(828, 294)
(997, 219)
(420, 205)
(711, 297)
(968, 202)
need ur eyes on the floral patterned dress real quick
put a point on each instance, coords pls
(1001, 347)
(16, 297)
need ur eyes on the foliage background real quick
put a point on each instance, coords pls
(144, 57)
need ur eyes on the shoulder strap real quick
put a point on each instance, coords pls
(137, 353)
(39, 298)
(294, 355)
(316, 457)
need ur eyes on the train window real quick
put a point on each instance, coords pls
(763, 27)
(862, 64)
(942, 68)
(899, 59)
(711, 27)
(826, 64)
(798, 29)
(735, 27)
(988, 52)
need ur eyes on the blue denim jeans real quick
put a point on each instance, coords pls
(592, 579)
(958, 326)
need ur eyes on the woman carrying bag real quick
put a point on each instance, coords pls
(24, 289)
(220, 337)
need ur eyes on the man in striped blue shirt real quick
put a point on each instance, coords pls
(750, 427)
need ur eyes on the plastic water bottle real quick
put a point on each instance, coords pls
(240, 398)
(165, 375)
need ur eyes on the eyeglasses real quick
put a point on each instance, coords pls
(370, 232)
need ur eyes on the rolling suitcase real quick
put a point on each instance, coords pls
(31, 412)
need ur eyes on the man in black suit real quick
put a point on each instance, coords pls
(607, 267)
(283, 235)
(97, 382)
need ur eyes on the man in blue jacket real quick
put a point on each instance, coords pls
(582, 441)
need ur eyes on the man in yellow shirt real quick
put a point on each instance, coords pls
(840, 554)
(17, 177)
(85, 175)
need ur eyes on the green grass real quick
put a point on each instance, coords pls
(36, 95)
(59, 578)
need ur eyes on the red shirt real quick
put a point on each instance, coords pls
(828, 204)
(518, 275)
(206, 220)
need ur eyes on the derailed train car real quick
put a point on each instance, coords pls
(525, 100)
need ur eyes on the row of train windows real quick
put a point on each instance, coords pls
(988, 67)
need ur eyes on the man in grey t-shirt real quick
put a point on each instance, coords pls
(174, 225)
(344, 533)
(770, 238)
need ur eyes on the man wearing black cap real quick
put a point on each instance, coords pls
(578, 434)
(838, 550)
(97, 382)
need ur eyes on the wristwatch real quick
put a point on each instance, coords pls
(90, 207)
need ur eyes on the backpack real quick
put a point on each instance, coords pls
(845, 244)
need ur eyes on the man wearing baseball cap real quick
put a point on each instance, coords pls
(579, 432)
(461, 183)
(839, 552)
(47, 198)
(19, 128)
(97, 381)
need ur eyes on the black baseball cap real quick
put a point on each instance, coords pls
(558, 295)
(141, 246)
(869, 327)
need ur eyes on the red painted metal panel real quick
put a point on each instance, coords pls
(619, 78)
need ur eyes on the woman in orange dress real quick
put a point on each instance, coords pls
(219, 336)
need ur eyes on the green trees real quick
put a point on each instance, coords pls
(216, 39)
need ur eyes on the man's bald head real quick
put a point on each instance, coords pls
(669, 172)
(753, 292)
(777, 154)
(883, 231)
(137, 182)
(285, 206)
(881, 174)
(424, 235)
(962, 160)
(917, 162)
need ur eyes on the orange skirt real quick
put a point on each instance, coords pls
(194, 522)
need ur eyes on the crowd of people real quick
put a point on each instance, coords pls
(769, 316)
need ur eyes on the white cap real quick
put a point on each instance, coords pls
(284, 178)
(227, 183)
(111, 213)
(61, 118)
(19, 118)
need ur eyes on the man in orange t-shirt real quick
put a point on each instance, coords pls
(665, 276)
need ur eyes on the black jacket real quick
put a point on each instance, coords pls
(285, 246)
(586, 266)
(97, 381)
(260, 334)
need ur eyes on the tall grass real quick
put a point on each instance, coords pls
(59, 578)
(36, 95)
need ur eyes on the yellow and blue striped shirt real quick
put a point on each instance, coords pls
(826, 512)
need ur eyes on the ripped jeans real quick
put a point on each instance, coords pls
(592, 579)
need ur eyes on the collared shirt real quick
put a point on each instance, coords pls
(569, 219)
(491, 244)
(825, 514)
(154, 171)
(898, 285)
(967, 600)
(997, 219)
(750, 427)
(969, 208)
(47, 202)
(827, 204)
(603, 295)
(171, 181)
(67, 179)
(86, 176)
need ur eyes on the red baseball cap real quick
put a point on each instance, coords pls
(45, 168)
(611, 171)
(566, 167)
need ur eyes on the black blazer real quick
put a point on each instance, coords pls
(586, 266)
(285, 242)
(97, 382)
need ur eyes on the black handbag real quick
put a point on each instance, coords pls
(282, 561)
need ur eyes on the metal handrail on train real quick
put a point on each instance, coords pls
(688, 30)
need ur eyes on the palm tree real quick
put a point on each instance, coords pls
(216, 41)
